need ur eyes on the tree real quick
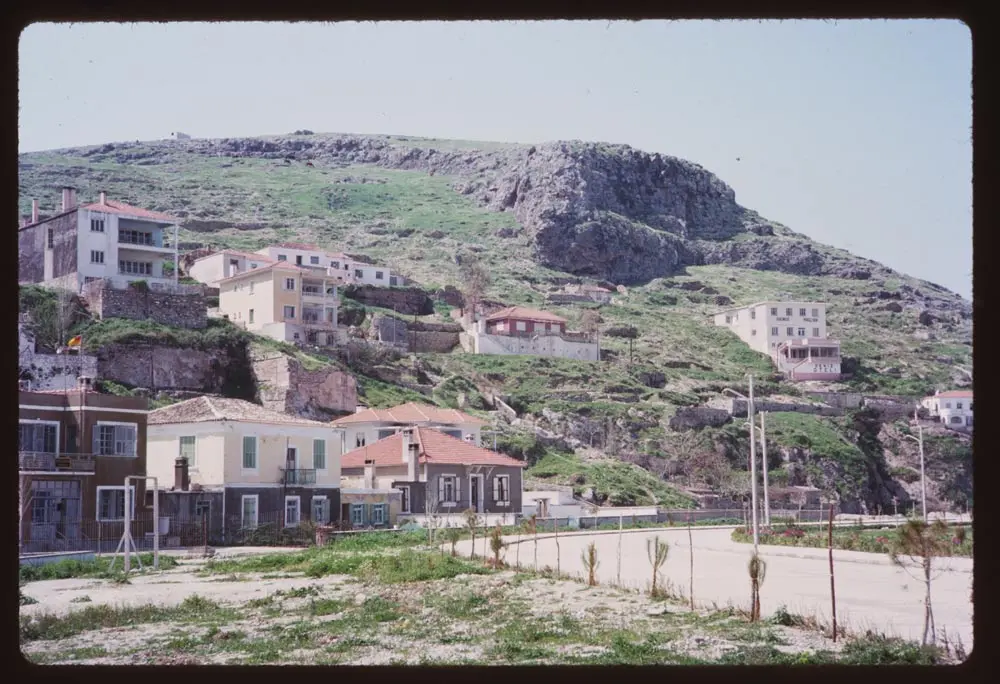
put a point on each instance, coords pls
(628, 332)
(590, 322)
(757, 567)
(452, 535)
(657, 551)
(476, 280)
(472, 522)
(916, 539)
(590, 562)
(496, 544)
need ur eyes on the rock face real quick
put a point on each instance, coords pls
(409, 301)
(217, 371)
(285, 386)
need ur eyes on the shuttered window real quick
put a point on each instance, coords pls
(115, 440)
(319, 454)
(501, 488)
(448, 488)
(250, 453)
(39, 438)
(187, 449)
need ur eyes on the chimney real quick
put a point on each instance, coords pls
(412, 455)
(181, 480)
(407, 438)
(68, 198)
(34, 211)
(103, 198)
(369, 474)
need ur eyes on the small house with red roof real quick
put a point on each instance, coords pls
(435, 473)
(953, 408)
(367, 425)
(521, 330)
(103, 240)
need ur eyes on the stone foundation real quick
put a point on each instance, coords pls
(184, 307)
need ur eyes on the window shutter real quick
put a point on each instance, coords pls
(440, 489)
(458, 489)
(95, 439)
(496, 488)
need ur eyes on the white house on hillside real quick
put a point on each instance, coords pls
(226, 264)
(953, 408)
(793, 334)
(346, 270)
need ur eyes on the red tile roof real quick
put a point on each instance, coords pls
(276, 264)
(114, 207)
(410, 413)
(435, 448)
(956, 394)
(525, 313)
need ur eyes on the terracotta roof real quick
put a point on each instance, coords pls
(207, 409)
(249, 255)
(114, 207)
(525, 313)
(410, 413)
(435, 448)
(275, 264)
(956, 394)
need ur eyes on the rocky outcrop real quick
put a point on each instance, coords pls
(695, 417)
(223, 371)
(284, 385)
(408, 301)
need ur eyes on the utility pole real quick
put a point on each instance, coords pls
(753, 466)
(923, 479)
(763, 444)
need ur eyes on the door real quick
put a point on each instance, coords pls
(475, 493)
(298, 260)
(291, 465)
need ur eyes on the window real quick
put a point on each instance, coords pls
(358, 273)
(39, 437)
(111, 503)
(135, 237)
(135, 267)
(947, 404)
(71, 437)
(314, 260)
(293, 513)
(334, 264)
(802, 312)
(382, 434)
(802, 332)
(958, 405)
(249, 453)
(457, 434)
(187, 449)
(359, 440)
(320, 510)
(298, 260)
(289, 312)
(393, 281)
(774, 311)
(319, 454)
(115, 439)
(501, 488)
(404, 499)
(448, 489)
(970, 405)
(379, 514)
(753, 314)
(378, 275)
(253, 265)
(956, 420)
(289, 283)
(203, 509)
(774, 332)
(96, 256)
(815, 332)
(729, 319)
(251, 287)
(815, 313)
(753, 333)
(250, 315)
(358, 514)
(548, 327)
(282, 257)
(521, 326)
(789, 332)
(248, 510)
(234, 263)
(788, 312)
(51, 238)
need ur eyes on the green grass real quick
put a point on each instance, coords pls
(847, 539)
(95, 568)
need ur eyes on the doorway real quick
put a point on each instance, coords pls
(476, 493)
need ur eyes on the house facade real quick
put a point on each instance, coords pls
(520, 330)
(75, 449)
(953, 408)
(282, 301)
(270, 468)
(105, 240)
(338, 266)
(793, 334)
(439, 474)
(226, 264)
(367, 426)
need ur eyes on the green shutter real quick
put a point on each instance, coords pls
(250, 453)
(319, 454)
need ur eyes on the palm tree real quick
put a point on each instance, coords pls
(916, 539)
(657, 550)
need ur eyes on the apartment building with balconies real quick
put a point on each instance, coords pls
(106, 239)
(270, 467)
(344, 269)
(75, 449)
(283, 301)
(793, 334)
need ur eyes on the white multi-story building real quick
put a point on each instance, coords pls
(226, 264)
(344, 269)
(104, 240)
(793, 334)
(953, 408)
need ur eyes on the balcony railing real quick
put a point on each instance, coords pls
(70, 463)
(298, 476)
(144, 239)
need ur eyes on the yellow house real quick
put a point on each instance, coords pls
(282, 301)
(271, 467)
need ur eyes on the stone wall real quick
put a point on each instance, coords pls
(415, 336)
(697, 417)
(739, 408)
(185, 308)
(410, 301)
(160, 368)
(284, 385)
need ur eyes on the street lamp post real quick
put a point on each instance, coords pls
(753, 461)
(923, 480)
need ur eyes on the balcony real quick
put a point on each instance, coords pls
(46, 462)
(298, 477)
(316, 321)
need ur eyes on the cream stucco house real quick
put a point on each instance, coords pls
(268, 467)
(282, 301)
(367, 426)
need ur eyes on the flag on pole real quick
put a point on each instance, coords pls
(75, 342)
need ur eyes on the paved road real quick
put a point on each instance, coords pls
(871, 592)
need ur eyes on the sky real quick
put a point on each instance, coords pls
(855, 133)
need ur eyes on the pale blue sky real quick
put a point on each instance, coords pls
(856, 133)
